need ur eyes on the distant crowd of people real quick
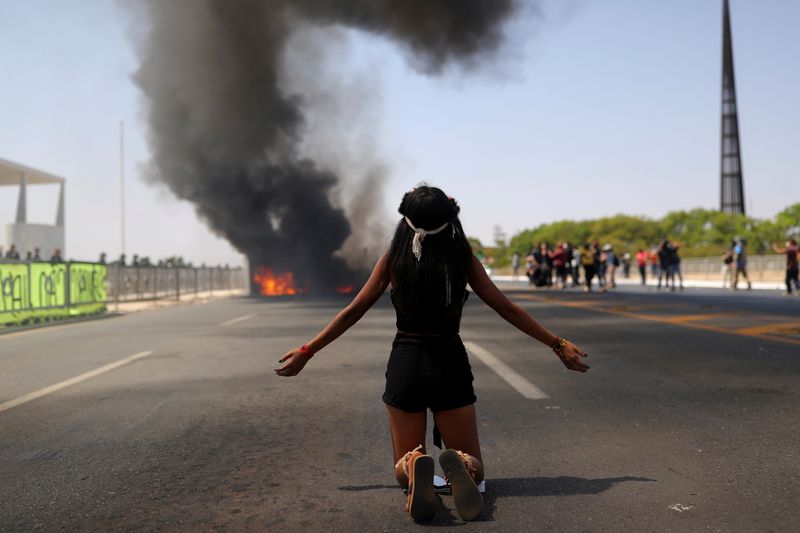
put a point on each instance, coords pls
(169, 262)
(664, 262)
(734, 264)
(567, 265)
(12, 255)
(135, 261)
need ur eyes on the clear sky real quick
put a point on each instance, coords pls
(598, 107)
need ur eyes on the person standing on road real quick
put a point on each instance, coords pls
(664, 259)
(543, 274)
(641, 262)
(530, 268)
(790, 250)
(740, 260)
(573, 263)
(675, 264)
(599, 265)
(654, 262)
(727, 267)
(560, 265)
(626, 265)
(612, 263)
(588, 263)
(515, 265)
(428, 266)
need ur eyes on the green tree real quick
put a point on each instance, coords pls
(477, 247)
(500, 252)
(699, 232)
(787, 222)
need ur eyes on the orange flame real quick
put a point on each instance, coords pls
(345, 289)
(275, 285)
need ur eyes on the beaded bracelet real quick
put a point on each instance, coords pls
(558, 346)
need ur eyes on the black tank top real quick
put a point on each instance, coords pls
(442, 320)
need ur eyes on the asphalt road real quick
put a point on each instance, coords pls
(688, 420)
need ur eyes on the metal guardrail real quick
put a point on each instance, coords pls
(137, 283)
(759, 267)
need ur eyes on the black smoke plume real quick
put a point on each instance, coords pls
(226, 135)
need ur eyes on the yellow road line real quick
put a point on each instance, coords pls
(567, 303)
(769, 328)
(636, 307)
(664, 320)
(681, 319)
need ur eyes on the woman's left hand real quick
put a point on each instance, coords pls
(294, 361)
(572, 356)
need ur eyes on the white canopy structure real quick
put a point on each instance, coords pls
(27, 237)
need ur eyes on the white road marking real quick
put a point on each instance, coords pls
(236, 320)
(72, 381)
(522, 385)
(680, 507)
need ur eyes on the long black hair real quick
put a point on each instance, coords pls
(438, 279)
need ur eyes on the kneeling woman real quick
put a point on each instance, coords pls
(428, 267)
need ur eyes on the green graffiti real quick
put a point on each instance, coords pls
(44, 291)
(15, 298)
(87, 283)
(48, 285)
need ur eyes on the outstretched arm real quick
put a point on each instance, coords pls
(296, 359)
(517, 317)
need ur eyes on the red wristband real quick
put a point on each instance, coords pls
(306, 350)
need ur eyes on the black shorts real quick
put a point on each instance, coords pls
(428, 373)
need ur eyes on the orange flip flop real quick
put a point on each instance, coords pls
(466, 496)
(421, 502)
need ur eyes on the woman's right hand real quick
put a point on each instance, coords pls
(294, 361)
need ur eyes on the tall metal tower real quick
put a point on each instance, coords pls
(731, 188)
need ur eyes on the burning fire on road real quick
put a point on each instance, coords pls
(271, 284)
(267, 282)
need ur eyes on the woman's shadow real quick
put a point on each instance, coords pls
(497, 488)
(547, 486)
